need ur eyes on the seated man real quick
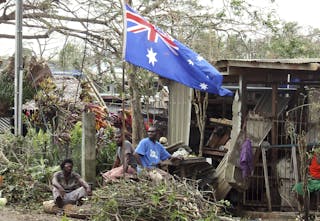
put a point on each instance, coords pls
(314, 168)
(119, 168)
(314, 180)
(149, 153)
(68, 186)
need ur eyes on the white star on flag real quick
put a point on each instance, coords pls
(203, 86)
(152, 56)
(199, 58)
(190, 62)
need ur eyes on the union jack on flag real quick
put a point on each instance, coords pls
(154, 34)
(148, 47)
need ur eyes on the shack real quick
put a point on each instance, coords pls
(275, 101)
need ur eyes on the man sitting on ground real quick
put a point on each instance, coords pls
(68, 186)
(149, 153)
(314, 179)
(119, 168)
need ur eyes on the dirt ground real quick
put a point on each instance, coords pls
(11, 214)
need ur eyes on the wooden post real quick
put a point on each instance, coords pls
(274, 130)
(295, 167)
(274, 136)
(88, 149)
(243, 97)
(266, 177)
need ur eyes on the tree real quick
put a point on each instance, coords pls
(7, 83)
(70, 57)
(99, 25)
(288, 42)
(200, 105)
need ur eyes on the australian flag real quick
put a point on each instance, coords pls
(148, 47)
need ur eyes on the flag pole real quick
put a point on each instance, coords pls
(123, 84)
(18, 66)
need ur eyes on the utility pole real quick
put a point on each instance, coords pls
(18, 70)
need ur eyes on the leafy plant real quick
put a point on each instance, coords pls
(42, 172)
(75, 145)
(106, 149)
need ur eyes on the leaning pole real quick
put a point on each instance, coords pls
(18, 71)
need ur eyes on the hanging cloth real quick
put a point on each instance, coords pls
(246, 158)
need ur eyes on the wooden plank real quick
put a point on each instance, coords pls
(223, 186)
(185, 161)
(243, 97)
(274, 131)
(222, 121)
(295, 167)
(96, 93)
(184, 165)
(193, 160)
(215, 141)
(212, 152)
(266, 177)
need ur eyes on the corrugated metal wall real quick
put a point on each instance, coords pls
(179, 113)
(4, 124)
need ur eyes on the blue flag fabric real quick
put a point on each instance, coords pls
(152, 49)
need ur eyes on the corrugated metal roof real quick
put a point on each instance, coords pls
(282, 61)
(305, 64)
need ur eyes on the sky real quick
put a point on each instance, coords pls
(306, 13)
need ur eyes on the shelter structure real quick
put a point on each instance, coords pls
(275, 102)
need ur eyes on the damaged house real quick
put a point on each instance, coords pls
(275, 102)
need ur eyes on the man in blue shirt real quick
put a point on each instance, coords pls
(149, 153)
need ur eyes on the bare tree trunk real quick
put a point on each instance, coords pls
(138, 130)
(200, 106)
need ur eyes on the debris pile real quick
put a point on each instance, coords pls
(20, 188)
(143, 200)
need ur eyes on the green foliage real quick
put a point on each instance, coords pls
(7, 90)
(14, 147)
(75, 145)
(19, 187)
(177, 215)
(225, 203)
(42, 172)
(105, 147)
(143, 200)
(237, 6)
(38, 146)
(106, 150)
(65, 218)
(56, 115)
(289, 43)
